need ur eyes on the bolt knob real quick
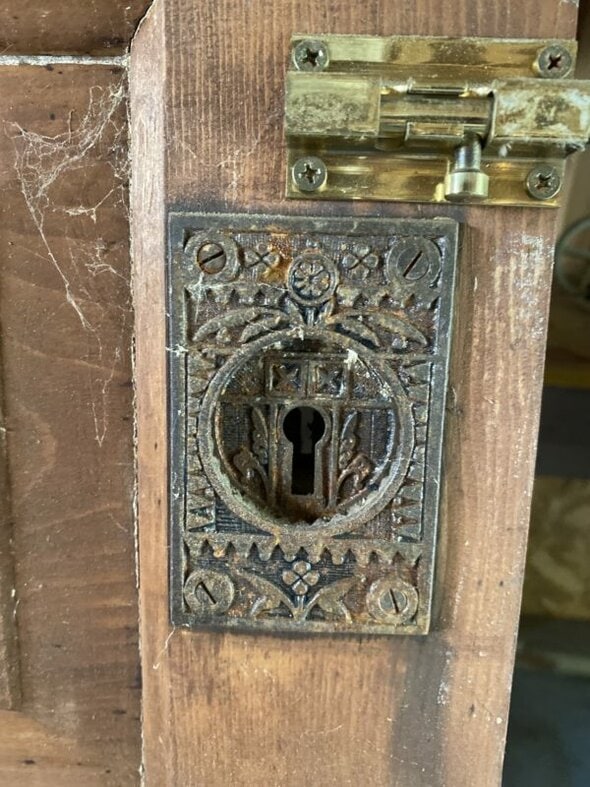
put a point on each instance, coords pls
(466, 185)
(466, 182)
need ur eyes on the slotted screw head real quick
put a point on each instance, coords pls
(543, 182)
(554, 62)
(309, 173)
(310, 55)
(211, 258)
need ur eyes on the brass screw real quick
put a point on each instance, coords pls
(311, 56)
(543, 182)
(554, 62)
(211, 258)
(309, 173)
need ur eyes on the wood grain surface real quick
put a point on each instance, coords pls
(10, 687)
(94, 27)
(207, 102)
(66, 327)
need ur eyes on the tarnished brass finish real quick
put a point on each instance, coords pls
(392, 118)
(309, 173)
(308, 370)
(466, 181)
(543, 182)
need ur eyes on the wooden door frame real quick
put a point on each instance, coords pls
(224, 708)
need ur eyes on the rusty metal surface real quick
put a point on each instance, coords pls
(307, 366)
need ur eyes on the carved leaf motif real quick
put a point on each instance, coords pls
(248, 466)
(352, 465)
(330, 599)
(236, 318)
(362, 322)
(348, 440)
(358, 470)
(271, 597)
(262, 326)
(395, 325)
(356, 328)
(259, 436)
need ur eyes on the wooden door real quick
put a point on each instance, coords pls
(204, 82)
(206, 109)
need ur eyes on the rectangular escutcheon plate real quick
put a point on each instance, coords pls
(308, 370)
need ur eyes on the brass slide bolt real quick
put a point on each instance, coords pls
(466, 181)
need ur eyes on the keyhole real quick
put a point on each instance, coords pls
(304, 427)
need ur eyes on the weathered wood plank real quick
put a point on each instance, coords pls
(101, 27)
(66, 351)
(207, 103)
(10, 689)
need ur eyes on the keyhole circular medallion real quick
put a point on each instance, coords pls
(363, 434)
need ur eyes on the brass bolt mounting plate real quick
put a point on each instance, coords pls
(387, 118)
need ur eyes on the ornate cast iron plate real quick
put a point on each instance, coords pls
(308, 369)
